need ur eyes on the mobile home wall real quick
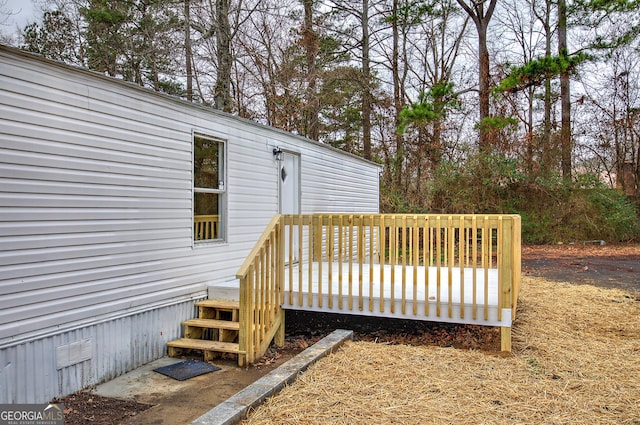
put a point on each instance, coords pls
(97, 260)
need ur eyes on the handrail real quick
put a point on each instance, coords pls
(256, 248)
(260, 276)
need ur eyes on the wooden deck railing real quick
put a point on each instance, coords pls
(372, 263)
(205, 227)
(261, 315)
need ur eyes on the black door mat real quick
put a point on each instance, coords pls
(187, 369)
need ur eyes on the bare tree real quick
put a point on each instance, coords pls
(269, 61)
(612, 120)
(438, 49)
(188, 51)
(311, 45)
(481, 17)
(527, 35)
(397, 91)
(222, 90)
(565, 94)
(359, 44)
(545, 140)
(366, 82)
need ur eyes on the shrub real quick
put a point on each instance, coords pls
(552, 209)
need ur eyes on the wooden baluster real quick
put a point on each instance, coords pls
(300, 259)
(499, 265)
(340, 260)
(260, 297)
(416, 249)
(450, 261)
(291, 247)
(393, 247)
(371, 260)
(268, 282)
(360, 254)
(474, 253)
(330, 231)
(486, 263)
(404, 248)
(426, 255)
(462, 251)
(319, 256)
(311, 259)
(281, 261)
(383, 254)
(438, 230)
(350, 299)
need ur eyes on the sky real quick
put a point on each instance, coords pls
(23, 13)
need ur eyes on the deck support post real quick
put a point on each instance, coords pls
(279, 337)
(506, 277)
(505, 339)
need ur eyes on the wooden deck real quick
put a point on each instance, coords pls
(445, 268)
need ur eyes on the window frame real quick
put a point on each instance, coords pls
(221, 190)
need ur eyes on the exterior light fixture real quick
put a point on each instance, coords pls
(277, 153)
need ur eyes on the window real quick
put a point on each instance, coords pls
(208, 189)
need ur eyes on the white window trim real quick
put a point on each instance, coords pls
(221, 190)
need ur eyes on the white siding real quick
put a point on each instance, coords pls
(96, 201)
(338, 184)
(30, 372)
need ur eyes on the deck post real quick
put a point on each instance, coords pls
(505, 276)
(246, 319)
(505, 339)
(279, 337)
(517, 263)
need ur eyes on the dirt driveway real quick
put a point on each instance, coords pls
(609, 266)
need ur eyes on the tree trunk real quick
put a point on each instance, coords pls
(188, 53)
(637, 175)
(617, 144)
(546, 132)
(481, 19)
(223, 45)
(545, 153)
(310, 43)
(397, 99)
(565, 94)
(483, 86)
(366, 76)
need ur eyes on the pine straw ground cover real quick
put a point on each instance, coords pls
(575, 360)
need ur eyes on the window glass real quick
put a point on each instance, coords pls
(208, 190)
(207, 163)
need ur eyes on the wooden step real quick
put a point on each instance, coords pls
(205, 345)
(212, 324)
(219, 304)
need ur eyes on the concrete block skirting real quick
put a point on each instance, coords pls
(235, 408)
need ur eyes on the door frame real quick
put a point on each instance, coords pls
(296, 176)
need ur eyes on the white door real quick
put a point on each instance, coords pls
(289, 194)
